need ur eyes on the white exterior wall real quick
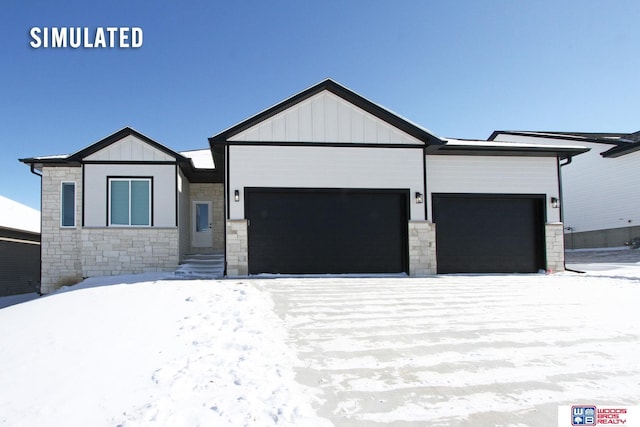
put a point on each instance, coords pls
(599, 193)
(184, 214)
(493, 174)
(325, 167)
(164, 191)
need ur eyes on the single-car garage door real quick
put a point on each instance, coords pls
(489, 233)
(317, 231)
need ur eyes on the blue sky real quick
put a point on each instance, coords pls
(460, 68)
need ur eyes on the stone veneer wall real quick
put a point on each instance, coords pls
(554, 241)
(71, 253)
(422, 248)
(60, 256)
(215, 194)
(118, 250)
(237, 248)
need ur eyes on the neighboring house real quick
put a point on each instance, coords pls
(601, 205)
(323, 182)
(19, 248)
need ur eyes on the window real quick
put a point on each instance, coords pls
(130, 201)
(68, 204)
(202, 217)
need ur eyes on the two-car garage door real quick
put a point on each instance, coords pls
(317, 231)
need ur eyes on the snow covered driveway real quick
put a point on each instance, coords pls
(462, 350)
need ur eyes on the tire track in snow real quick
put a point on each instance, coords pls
(461, 350)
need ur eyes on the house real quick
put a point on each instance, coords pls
(601, 207)
(324, 182)
(19, 248)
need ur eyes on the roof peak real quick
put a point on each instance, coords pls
(343, 92)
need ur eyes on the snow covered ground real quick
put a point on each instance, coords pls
(446, 350)
(165, 353)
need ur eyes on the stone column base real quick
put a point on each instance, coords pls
(422, 248)
(237, 248)
(554, 243)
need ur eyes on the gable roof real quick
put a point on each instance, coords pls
(117, 136)
(78, 156)
(348, 95)
(622, 143)
(193, 172)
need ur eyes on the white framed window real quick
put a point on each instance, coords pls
(68, 204)
(130, 201)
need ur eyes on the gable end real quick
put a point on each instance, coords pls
(126, 136)
(421, 135)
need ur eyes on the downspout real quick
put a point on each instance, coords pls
(561, 165)
(33, 171)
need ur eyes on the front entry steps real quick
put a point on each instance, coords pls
(201, 266)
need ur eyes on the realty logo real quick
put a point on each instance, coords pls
(592, 415)
(583, 415)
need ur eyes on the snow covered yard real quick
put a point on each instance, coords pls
(165, 353)
(447, 350)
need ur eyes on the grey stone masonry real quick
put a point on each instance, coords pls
(60, 256)
(111, 251)
(237, 248)
(554, 242)
(422, 248)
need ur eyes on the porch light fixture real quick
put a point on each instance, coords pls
(419, 198)
(555, 203)
(236, 195)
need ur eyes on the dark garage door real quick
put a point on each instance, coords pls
(320, 231)
(489, 233)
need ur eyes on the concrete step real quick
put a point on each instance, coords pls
(201, 266)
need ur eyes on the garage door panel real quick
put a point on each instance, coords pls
(326, 231)
(489, 234)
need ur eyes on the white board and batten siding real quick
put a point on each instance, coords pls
(599, 193)
(325, 117)
(130, 149)
(325, 167)
(493, 175)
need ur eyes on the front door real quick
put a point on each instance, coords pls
(201, 225)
